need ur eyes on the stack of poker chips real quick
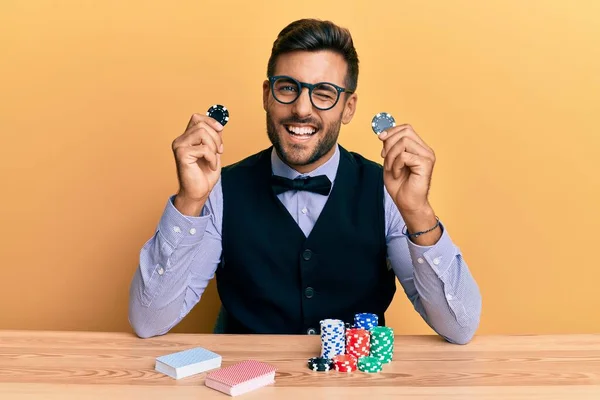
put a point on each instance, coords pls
(369, 364)
(382, 343)
(320, 364)
(345, 363)
(365, 320)
(333, 341)
(358, 342)
(345, 347)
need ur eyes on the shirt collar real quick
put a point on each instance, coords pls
(329, 169)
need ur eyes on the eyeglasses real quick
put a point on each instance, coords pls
(323, 95)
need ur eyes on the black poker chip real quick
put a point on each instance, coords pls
(382, 121)
(219, 113)
(320, 364)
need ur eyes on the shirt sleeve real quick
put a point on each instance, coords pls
(436, 279)
(175, 266)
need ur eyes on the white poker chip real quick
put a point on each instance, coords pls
(333, 341)
(382, 121)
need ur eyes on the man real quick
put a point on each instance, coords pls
(304, 230)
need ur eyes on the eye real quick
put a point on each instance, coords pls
(326, 92)
(285, 86)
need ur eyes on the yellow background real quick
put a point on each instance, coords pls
(92, 94)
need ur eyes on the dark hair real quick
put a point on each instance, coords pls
(315, 35)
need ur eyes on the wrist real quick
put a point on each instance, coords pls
(187, 206)
(418, 220)
(423, 221)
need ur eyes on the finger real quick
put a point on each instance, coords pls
(203, 152)
(405, 130)
(208, 136)
(197, 118)
(195, 154)
(202, 133)
(405, 160)
(392, 138)
(208, 140)
(386, 135)
(405, 144)
(400, 135)
(218, 161)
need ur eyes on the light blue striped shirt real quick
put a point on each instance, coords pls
(178, 261)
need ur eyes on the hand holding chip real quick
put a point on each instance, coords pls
(408, 164)
(198, 159)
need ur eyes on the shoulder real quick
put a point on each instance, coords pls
(361, 161)
(247, 163)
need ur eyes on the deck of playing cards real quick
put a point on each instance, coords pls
(188, 362)
(241, 378)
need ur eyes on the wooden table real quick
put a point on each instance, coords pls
(112, 366)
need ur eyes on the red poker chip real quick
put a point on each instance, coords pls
(344, 358)
(349, 368)
(358, 342)
(345, 362)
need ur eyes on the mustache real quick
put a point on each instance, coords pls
(307, 121)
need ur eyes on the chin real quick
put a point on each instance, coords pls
(294, 154)
(300, 143)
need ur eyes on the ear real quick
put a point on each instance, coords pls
(266, 90)
(349, 108)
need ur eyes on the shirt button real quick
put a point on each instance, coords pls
(192, 231)
(304, 210)
(307, 254)
(176, 229)
(161, 270)
(436, 261)
(420, 260)
(311, 331)
(309, 292)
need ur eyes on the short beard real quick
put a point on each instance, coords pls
(324, 145)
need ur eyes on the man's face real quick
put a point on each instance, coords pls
(304, 136)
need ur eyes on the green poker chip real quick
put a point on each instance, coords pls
(382, 343)
(370, 364)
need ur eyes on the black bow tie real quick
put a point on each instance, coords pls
(317, 184)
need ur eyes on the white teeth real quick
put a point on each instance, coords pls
(301, 130)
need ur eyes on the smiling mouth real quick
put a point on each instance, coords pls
(301, 131)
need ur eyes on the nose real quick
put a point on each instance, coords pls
(302, 107)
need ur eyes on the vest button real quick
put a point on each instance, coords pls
(311, 331)
(309, 292)
(307, 254)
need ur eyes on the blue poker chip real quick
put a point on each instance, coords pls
(366, 320)
(219, 113)
(382, 121)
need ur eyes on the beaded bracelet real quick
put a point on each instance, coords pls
(416, 234)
